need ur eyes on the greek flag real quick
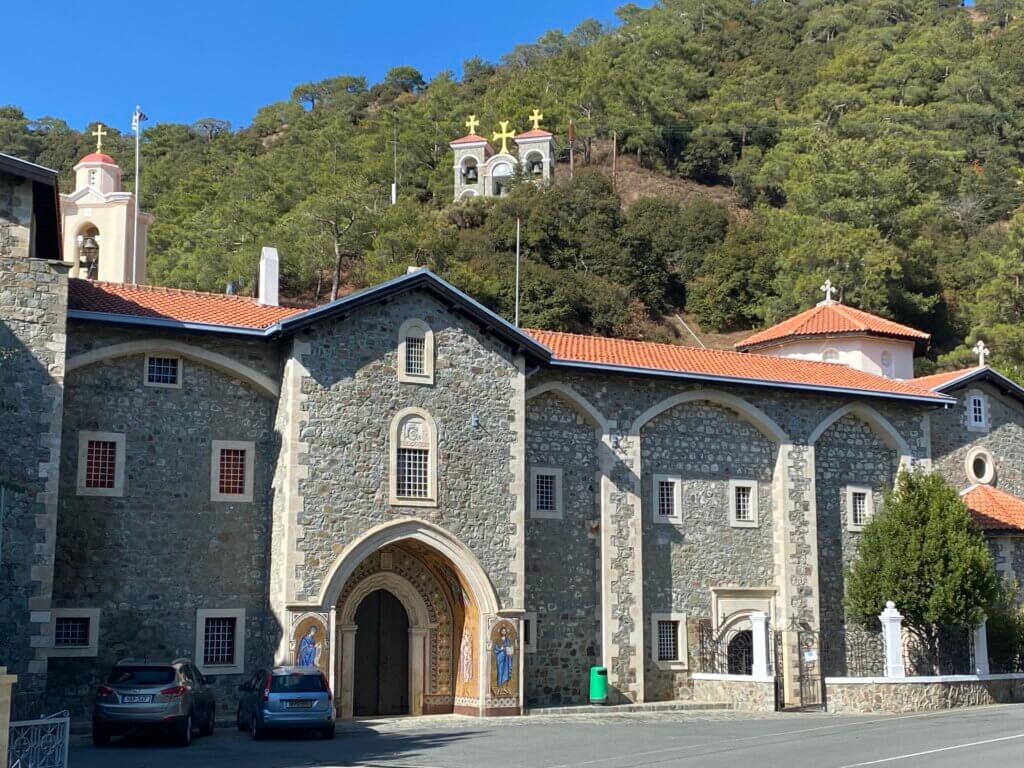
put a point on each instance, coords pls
(137, 117)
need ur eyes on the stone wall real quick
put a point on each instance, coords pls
(880, 695)
(15, 216)
(563, 579)
(148, 560)
(745, 694)
(33, 302)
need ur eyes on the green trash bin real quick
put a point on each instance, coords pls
(598, 685)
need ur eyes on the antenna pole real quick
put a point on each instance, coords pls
(517, 273)
(394, 184)
(138, 192)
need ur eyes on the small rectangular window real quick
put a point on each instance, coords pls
(101, 464)
(413, 473)
(668, 499)
(415, 347)
(744, 511)
(668, 640)
(859, 508)
(231, 481)
(544, 492)
(71, 632)
(219, 641)
(977, 411)
(743, 503)
(231, 470)
(162, 371)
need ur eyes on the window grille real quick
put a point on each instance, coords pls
(859, 501)
(666, 498)
(415, 355)
(668, 640)
(231, 480)
(162, 370)
(544, 493)
(100, 464)
(413, 473)
(219, 641)
(744, 509)
(71, 632)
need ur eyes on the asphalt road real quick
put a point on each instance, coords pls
(991, 736)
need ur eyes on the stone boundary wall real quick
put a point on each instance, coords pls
(917, 694)
(744, 692)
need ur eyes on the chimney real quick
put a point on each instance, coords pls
(269, 272)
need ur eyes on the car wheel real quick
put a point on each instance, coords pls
(257, 732)
(100, 736)
(327, 732)
(185, 732)
(210, 724)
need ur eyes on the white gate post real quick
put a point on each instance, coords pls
(759, 621)
(981, 648)
(892, 635)
(6, 684)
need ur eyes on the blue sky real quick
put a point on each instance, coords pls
(182, 60)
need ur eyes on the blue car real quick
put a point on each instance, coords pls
(286, 698)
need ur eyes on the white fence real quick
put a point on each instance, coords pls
(40, 743)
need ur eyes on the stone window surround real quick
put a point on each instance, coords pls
(973, 426)
(395, 439)
(416, 327)
(752, 485)
(677, 496)
(118, 439)
(869, 505)
(216, 446)
(85, 651)
(546, 514)
(990, 474)
(730, 605)
(145, 372)
(238, 614)
(531, 617)
(681, 642)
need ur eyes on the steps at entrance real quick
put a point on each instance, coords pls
(650, 706)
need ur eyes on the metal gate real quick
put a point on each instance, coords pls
(809, 689)
(40, 743)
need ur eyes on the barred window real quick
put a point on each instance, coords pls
(544, 492)
(413, 473)
(859, 508)
(219, 641)
(101, 464)
(667, 498)
(71, 632)
(415, 347)
(668, 640)
(744, 509)
(231, 478)
(162, 371)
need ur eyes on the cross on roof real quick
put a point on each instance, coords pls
(99, 133)
(504, 135)
(536, 117)
(829, 289)
(982, 352)
(472, 124)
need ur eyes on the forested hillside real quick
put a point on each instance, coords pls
(875, 142)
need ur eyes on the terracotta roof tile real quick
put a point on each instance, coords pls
(173, 304)
(828, 318)
(534, 134)
(993, 509)
(719, 363)
(468, 139)
(938, 379)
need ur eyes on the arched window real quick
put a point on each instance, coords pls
(413, 481)
(740, 653)
(887, 364)
(88, 242)
(830, 355)
(534, 165)
(415, 353)
(470, 171)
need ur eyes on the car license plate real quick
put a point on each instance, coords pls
(136, 699)
(299, 704)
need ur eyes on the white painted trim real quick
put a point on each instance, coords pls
(394, 443)
(990, 475)
(145, 372)
(544, 514)
(869, 505)
(258, 381)
(118, 439)
(758, 418)
(733, 521)
(416, 327)
(725, 677)
(986, 424)
(676, 518)
(683, 662)
(238, 614)
(529, 616)
(216, 446)
(84, 651)
(882, 427)
(924, 680)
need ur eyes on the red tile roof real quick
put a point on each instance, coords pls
(469, 139)
(832, 318)
(536, 133)
(994, 510)
(719, 363)
(936, 380)
(97, 157)
(173, 304)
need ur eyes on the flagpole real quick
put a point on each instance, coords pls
(135, 235)
(517, 273)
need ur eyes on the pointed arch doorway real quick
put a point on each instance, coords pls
(381, 684)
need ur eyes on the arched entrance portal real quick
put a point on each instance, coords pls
(382, 656)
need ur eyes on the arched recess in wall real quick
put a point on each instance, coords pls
(880, 425)
(263, 384)
(750, 413)
(583, 406)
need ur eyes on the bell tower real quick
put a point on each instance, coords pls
(471, 154)
(480, 170)
(537, 151)
(99, 222)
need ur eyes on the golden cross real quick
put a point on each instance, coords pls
(536, 117)
(472, 123)
(504, 135)
(99, 133)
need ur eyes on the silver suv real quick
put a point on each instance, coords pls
(170, 696)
